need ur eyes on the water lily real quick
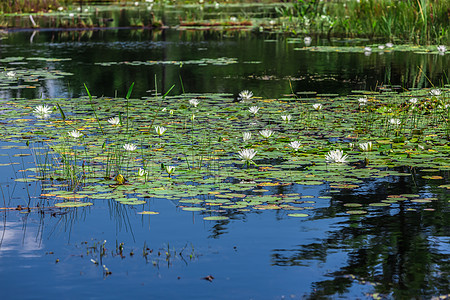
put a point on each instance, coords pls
(435, 92)
(246, 136)
(75, 134)
(11, 74)
(307, 40)
(43, 110)
(381, 47)
(295, 145)
(245, 95)
(413, 100)
(142, 172)
(130, 147)
(194, 102)
(366, 147)
(367, 49)
(317, 106)
(441, 48)
(266, 133)
(114, 121)
(395, 121)
(336, 156)
(287, 118)
(169, 170)
(247, 155)
(254, 109)
(160, 130)
(389, 45)
(362, 101)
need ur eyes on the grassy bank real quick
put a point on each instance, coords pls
(417, 21)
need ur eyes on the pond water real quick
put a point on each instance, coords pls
(394, 250)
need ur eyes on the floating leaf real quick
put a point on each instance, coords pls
(215, 218)
(298, 215)
(148, 213)
(73, 204)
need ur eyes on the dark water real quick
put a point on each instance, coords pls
(395, 251)
(265, 63)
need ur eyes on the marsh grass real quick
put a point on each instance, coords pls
(419, 21)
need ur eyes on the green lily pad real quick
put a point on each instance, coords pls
(215, 218)
(73, 204)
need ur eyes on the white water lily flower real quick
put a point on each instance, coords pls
(413, 100)
(247, 155)
(435, 92)
(367, 49)
(366, 147)
(160, 130)
(75, 134)
(389, 45)
(11, 74)
(317, 106)
(363, 101)
(295, 145)
(395, 121)
(381, 47)
(266, 133)
(114, 121)
(43, 110)
(441, 48)
(336, 156)
(287, 118)
(254, 109)
(130, 147)
(169, 169)
(142, 172)
(245, 95)
(246, 136)
(194, 102)
(307, 40)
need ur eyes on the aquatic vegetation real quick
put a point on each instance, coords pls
(194, 102)
(245, 95)
(203, 148)
(362, 101)
(418, 21)
(336, 156)
(366, 147)
(317, 106)
(142, 172)
(413, 100)
(286, 118)
(114, 121)
(266, 133)
(43, 110)
(253, 109)
(130, 147)
(295, 145)
(247, 155)
(395, 121)
(160, 130)
(246, 136)
(169, 169)
(442, 49)
(75, 134)
(435, 92)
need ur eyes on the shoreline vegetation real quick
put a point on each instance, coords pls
(410, 21)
